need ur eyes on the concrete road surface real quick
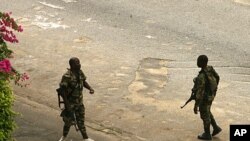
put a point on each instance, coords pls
(140, 57)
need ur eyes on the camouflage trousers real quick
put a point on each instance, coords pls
(206, 115)
(74, 116)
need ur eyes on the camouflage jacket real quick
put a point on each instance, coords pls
(206, 85)
(74, 86)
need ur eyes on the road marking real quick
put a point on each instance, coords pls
(49, 25)
(88, 20)
(51, 5)
(150, 37)
(68, 1)
(43, 23)
(245, 2)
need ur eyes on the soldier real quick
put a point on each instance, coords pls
(72, 84)
(206, 87)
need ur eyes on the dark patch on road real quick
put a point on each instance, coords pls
(150, 79)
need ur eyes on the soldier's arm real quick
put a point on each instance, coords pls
(86, 84)
(200, 89)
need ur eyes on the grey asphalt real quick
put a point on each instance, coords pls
(140, 57)
(36, 122)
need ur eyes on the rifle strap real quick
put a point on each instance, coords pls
(207, 78)
(208, 83)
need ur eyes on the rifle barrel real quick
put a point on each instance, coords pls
(189, 100)
(184, 105)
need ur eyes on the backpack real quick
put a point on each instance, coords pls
(212, 84)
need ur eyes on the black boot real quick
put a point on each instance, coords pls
(206, 135)
(217, 129)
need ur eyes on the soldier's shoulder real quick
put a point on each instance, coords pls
(67, 74)
(200, 79)
(82, 74)
(201, 75)
(210, 68)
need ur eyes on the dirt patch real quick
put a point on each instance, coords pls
(150, 78)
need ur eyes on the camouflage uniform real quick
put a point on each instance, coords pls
(75, 111)
(205, 93)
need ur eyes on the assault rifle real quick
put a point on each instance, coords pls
(63, 94)
(192, 97)
(60, 93)
(193, 94)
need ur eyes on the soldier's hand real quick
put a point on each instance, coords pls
(195, 110)
(91, 91)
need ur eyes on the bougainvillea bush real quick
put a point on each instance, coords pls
(7, 74)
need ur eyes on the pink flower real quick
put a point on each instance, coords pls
(2, 29)
(6, 23)
(24, 77)
(5, 66)
(7, 26)
(9, 36)
(6, 14)
(20, 29)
